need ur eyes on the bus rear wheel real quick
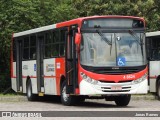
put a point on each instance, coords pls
(158, 90)
(122, 100)
(30, 95)
(66, 99)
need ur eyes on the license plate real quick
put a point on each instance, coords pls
(116, 88)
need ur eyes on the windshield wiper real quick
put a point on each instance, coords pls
(103, 37)
(139, 41)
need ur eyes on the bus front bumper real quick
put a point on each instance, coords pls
(113, 88)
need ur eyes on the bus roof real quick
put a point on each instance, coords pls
(36, 30)
(150, 34)
(68, 23)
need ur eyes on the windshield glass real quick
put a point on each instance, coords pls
(126, 49)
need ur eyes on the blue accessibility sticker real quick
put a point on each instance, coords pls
(35, 67)
(121, 61)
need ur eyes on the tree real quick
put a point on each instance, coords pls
(149, 9)
(20, 15)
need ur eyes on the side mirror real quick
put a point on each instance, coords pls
(77, 38)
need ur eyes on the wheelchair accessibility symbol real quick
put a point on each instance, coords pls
(121, 61)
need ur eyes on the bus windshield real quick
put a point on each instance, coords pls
(125, 49)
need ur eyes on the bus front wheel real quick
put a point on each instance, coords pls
(66, 99)
(122, 100)
(30, 95)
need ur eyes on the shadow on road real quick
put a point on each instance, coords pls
(96, 104)
(49, 99)
(87, 104)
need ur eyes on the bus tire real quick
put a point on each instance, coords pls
(158, 89)
(66, 99)
(30, 95)
(122, 100)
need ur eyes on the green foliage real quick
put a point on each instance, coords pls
(4, 82)
(142, 8)
(20, 15)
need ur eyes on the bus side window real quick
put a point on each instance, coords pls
(153, 49)
(55, 43)
(62, 41)
(48, 45)
(62, 50)
(148, 48)
(33, 47)
(26, 48)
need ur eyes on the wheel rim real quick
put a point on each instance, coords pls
(29, 91)
(64, 95)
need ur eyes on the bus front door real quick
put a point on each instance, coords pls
(71, 62)
(19, 64)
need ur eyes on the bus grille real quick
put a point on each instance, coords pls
(102, 81)
(108, 89)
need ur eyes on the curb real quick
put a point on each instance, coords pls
(20, 98)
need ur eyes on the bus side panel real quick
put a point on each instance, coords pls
(154, 70)
(14, 84)
(50, 86)
(29, 69)
(60, 70)
(49, 76)
(34, 85)
(13, 80)
(152, 87)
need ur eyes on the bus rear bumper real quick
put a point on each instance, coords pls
(113, 88)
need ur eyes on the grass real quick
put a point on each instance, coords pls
(11, 94)
(8, 94)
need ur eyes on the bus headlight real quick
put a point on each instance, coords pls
(88, 79)
(140, 79)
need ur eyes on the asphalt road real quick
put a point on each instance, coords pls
(54, 104)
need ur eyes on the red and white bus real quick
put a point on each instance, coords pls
(153, 50)
(102, 56)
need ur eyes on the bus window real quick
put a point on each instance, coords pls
(33, 47)
(48, 45)
(62, 49)
(153, 49)
(55, 50)
(62, 41)
(26, 48)
(55, 43)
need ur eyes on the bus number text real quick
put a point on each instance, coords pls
(129, 77)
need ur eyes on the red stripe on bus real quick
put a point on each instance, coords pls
(49, 76)
(11, 60)
(152, 77)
